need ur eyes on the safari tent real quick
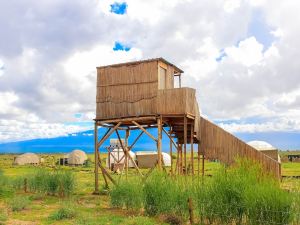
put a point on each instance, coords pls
(266, 148)
(27, 159)
(77, 157)
(148, 159)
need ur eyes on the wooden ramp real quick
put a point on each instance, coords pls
(223, 146)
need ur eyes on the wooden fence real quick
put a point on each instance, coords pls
(219, 144)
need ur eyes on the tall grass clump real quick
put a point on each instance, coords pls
(65, 212)
(167, 195)
(5, 190)
(19, 203)
(242, 194)
(268, 204)
(128, 194)
(61, 183)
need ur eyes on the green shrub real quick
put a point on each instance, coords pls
(19, 203)
(66, 212)
(127, 194)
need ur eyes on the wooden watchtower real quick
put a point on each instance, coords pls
(142, 95)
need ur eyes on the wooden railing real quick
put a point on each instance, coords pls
(176, 101)
(219, 144)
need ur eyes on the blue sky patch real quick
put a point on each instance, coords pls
(118, 8)
(260, 29)
(77, 115)
(221, 56)
(121, 47)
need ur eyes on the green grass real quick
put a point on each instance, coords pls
(92, 209)
(66, 212)
(19, 203)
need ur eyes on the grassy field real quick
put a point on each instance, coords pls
(82, 207)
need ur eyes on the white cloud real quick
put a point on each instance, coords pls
(82, 63)
(248, 52)
(50, 67)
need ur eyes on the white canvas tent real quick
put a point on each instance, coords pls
(77, 157)
(117, 156)
(265, 148)
(27, 159)
(148, 159)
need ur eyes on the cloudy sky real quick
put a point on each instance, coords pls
(242, 56)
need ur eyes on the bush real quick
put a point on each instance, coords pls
(63, 213)
(127, 194)
(19, 203)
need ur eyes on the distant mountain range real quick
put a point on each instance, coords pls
(82, 140)
(85, 141)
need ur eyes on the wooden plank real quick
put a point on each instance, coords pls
(127, 119)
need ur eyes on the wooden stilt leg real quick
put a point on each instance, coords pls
(126, 146)
(192, 148)
(203, 162)
(184, 143)
(181, 160)
(159, 128)
(199, 155)
(171, 152)
(96, 191)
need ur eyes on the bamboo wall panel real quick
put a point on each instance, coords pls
(219, 144)
(128, 90)
(176, 101)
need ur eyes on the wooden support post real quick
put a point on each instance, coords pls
(171, 151)
(25, 185)
(199, 155)
(96, 191)
(180, 81)
(177, 161)
(127, 153)
(192, 148)
(184, 142)
(203, 162)
(181, 160)
(159, 136)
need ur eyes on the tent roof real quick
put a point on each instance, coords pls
(261, 145)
